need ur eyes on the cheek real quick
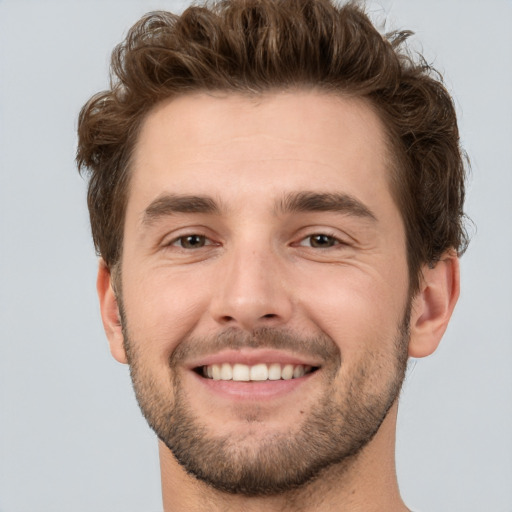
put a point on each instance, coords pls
(161, 309)
(363, 318)
(359, 310)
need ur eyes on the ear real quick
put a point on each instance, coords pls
(110, 312)
(433, 305)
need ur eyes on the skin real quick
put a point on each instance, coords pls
(259, 268)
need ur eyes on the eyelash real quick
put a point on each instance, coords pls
(179, 241)
(333, 240)
(204, 241)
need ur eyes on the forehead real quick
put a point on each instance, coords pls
(260, 145)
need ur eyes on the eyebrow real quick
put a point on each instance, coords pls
(170, 204)
(324, 202)
(295, 202)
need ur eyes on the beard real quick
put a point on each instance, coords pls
(333, 432)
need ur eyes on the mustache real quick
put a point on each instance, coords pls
(319, 346)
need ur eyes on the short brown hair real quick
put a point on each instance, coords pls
(256, 46)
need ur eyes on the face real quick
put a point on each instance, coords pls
(263, 285)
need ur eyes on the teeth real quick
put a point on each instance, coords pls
(274, 371)
(241, 372)
(287, 372)
(216, 372)
(298, 371)
(226, 372)
(258, 372)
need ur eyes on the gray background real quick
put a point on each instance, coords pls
(71, 435)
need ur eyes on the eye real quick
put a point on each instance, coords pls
(191, 241)
(319, 241)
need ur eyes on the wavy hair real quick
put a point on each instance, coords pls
(256, 46)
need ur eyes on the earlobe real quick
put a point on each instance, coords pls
(433, 305)
(110, 312)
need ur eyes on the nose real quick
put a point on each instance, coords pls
(251, 291)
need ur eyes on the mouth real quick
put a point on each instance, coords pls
(249, 374)
(260, 372)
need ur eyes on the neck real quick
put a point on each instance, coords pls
(366, 483)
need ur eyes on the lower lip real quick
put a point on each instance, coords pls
(254, 390)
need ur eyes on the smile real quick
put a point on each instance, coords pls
(258, 372)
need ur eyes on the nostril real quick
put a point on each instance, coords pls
(248, 319)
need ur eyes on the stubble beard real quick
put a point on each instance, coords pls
(332, 434)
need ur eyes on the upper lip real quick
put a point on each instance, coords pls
(252, 357)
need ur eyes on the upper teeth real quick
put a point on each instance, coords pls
(262, 371)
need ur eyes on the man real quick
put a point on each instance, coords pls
(276, 194)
